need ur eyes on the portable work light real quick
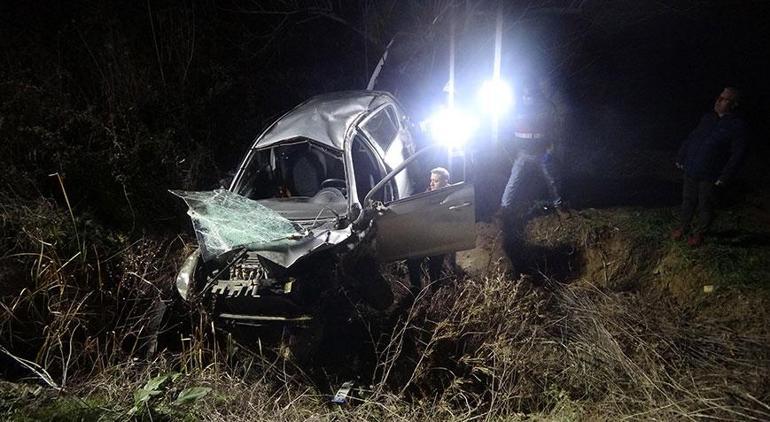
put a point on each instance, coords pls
(451, 127)
(495, 97)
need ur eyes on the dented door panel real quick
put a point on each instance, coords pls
(428, 223)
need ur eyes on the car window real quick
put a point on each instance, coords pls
(368, 171)
(382, 127)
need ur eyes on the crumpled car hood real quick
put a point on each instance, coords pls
(224, 221)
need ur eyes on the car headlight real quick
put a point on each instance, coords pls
(186, 273)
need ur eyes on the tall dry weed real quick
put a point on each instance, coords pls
(72, 300)
(500, 347)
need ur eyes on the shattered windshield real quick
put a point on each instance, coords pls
(224, 220)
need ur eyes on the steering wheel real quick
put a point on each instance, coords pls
(330, 183)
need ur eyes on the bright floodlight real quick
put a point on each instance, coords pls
(451, 127)
(495, 96)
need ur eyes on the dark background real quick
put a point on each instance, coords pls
(125, 100)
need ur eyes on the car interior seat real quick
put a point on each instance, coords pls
(307, 174)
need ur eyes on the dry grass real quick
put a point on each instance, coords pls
(480, 348)
(498, 348)
(492, 348)
(77, 308)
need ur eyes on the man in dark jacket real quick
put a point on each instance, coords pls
(709, 156)
(533, 136)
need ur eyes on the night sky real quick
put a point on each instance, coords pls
(203, 78)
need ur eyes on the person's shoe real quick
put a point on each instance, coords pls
(695, 240)
(677, 233)
(503, 216)
(562, 211)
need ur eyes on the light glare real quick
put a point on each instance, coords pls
(451, 127)
(495, 96)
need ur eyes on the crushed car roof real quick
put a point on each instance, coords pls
(324, 118)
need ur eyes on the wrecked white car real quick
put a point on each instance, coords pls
(324, 186)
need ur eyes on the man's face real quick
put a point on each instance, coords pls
(726, 102)
(437, 182)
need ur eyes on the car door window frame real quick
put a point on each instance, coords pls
(389, 178)
(382, 168)
(393, 117)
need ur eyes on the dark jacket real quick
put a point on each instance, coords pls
(534, 125)
(715, 148)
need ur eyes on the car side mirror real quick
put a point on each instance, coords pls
(227, 180)
(355, 211)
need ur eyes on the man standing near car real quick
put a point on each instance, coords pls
(439, 178)
(709, 157)
(534, 127)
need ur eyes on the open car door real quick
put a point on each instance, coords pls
(429, 223)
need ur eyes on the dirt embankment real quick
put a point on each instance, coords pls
(628, 250)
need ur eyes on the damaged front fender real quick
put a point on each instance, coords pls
(287, 252)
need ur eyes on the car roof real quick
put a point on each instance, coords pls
(324, 118)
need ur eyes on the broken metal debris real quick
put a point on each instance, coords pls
(343, 394)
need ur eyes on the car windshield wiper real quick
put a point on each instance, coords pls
(315, 220)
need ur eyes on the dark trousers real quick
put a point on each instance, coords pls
(697, 195)
(435, 265)
(525, 164)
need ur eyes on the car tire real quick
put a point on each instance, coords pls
(376, 292)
